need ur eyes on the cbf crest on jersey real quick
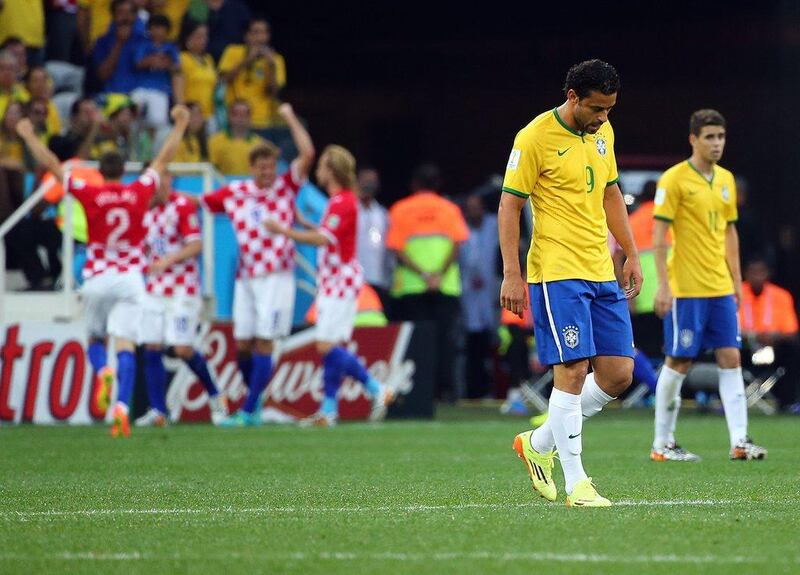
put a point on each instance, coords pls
(726, 193)
(601, 146)
(571, 336)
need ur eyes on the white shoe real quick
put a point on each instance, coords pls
(380, 402)
(219, 408)
(153, 418)
(319, 419)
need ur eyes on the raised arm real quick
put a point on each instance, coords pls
(40, 152)
(302, 141)
(312, 236)
(180, 114)
(620, 228)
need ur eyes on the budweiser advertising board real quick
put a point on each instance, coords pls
(45, 376)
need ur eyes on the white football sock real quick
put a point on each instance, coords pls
(566, 422)
(731, 392)
(593, 399)
(668, 403)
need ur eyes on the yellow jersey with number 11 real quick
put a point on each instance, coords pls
(565, 174)
(700, 211)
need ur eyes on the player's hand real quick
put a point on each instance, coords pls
(663, 301)
(286, 111)
(159, 266)
(180, 114)
(25, 128)
(632, 278)
(514, 295)
(274, 227)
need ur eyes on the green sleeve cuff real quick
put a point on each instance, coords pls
(514, 192)
(733, 221)
(663, 218)
(612, 182)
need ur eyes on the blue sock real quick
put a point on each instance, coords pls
(262, 371)
(333, 369)
(355, 369)
(197, 363)
(246, 367)
(97, 355)
(643, 371)
(126, 376)
(156, 379)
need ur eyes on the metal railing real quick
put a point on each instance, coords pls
(67, 291)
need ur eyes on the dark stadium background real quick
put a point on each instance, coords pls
(452, 83)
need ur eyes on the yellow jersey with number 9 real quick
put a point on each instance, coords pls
(565, 174)
(699, 211)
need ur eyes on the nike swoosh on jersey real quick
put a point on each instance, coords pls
(560, 153)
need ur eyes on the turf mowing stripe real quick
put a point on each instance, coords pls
(401, 557)
(24, 515)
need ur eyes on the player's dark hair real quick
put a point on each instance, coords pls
(159, 20)
(705, 117)
(264, 150)
(426, 177)
(592, 75)
(112, 165)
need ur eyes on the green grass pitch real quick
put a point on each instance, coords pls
(448, 496)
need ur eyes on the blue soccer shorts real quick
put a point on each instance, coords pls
(695, 324)
(577, 319)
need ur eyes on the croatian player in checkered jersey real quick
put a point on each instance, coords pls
(339, 279)
(264, 292)
(113, 283)
(172, 305)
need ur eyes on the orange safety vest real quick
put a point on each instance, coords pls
(510, 318)
(772, 311)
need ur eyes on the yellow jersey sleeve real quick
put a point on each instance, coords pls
(668, 198)
(732, 214)
(613, 173)
(231, 57)
(522, 170)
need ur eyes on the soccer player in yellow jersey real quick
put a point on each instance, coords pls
(563, 163)
(699, 288)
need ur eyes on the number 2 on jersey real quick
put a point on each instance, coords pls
(120, 221)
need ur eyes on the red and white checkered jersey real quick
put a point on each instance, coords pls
(171, 226)
(339, 274)
(114, 215)
(248, 207)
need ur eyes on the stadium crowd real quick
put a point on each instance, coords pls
(100, 75)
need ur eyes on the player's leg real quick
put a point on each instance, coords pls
(96, 307)
(123, 325)
(562, 325)
(723, 336)
(244, 329)
(151, 334)
(182, 321)
(683, 337)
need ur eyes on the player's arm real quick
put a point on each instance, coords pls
(301, 165)
(313, 237)
(180, 114)
(732, 257)
(39, 151)
(513, 296)
(189, 250)
(663, 299)
(620, 228)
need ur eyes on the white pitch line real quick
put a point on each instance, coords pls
(349, 509)
(441, 556)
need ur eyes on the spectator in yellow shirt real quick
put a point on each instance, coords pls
(10, 89)
(174, 11)
(199, 72)
(25, 20)
(254, 72)
(40, 86)
(229, 150)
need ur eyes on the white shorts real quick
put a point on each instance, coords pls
(112, 304)
(170, 320)
(263, 307)
(335, 318)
